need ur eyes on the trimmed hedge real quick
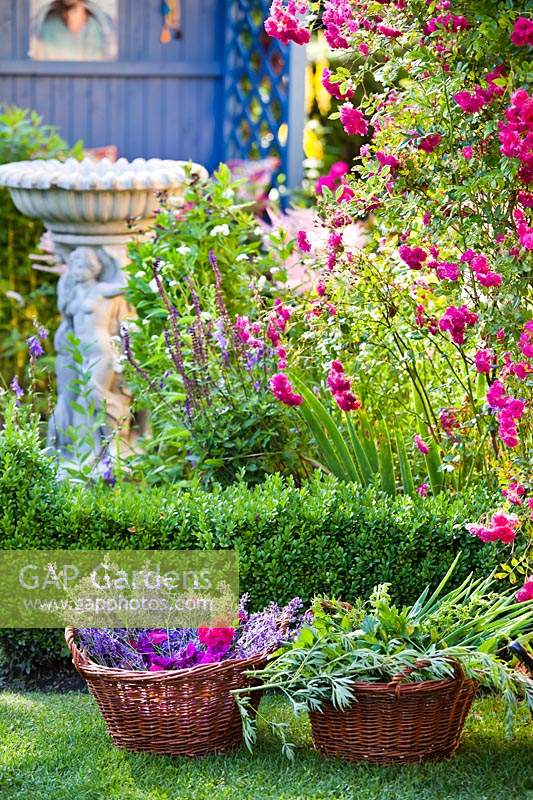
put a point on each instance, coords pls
(323, 537)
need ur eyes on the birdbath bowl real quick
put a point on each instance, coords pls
(94, 198)
(93, 209)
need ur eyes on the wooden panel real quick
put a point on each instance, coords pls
(167, 118)
(155, 100)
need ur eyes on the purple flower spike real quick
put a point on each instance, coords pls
(35, 347)
(16, 388)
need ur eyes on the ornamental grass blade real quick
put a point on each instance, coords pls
(386, 464)
(432, 459)
(405, 468)
(327, 454)
(363, 463)
(434, 597)
(329, 437)
(367, 441)
(434, 468)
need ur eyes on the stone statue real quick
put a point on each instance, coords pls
(88, 206)
(90, 299)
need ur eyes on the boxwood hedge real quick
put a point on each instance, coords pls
(323, 536)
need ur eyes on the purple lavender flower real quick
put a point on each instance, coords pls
(265, 630)
(16, 388)
(107, 470)
(34, 347)
(221, 305)
(254, 356)
(220, 339)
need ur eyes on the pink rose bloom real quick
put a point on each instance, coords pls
(333, 87)
(334, 177)
(340, 387)
(391, 33)
(502, 527)
(525, 198)
(347, 401)
(468, 152)
(455, 320)
(303, 242)
(430, 142)
(217, 639)
(484, 360)
(496, 395)
(423, 490)
(525, 342)
(471, 103)
(522, 33)
(387, 160)
(353, 120)
(446, 270)
(282, 390)
(284, 23)
(514, 493)
(414, 257)
(526, 592)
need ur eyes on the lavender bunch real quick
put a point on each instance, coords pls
(265, 630)
(110, 647)
(128, 648)
(145, 649)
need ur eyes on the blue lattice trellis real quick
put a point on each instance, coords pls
(257, 88)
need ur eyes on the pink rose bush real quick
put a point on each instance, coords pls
(430, 311)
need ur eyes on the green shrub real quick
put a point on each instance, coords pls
(324, 536)
(24, 293)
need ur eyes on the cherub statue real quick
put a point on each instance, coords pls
(93, 311)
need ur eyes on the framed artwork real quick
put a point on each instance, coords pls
(73, 30)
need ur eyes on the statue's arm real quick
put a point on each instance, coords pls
(111, 289)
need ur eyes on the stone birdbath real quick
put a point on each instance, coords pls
(92, 209)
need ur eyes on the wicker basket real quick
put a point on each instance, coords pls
(188, 712)
(396, 723)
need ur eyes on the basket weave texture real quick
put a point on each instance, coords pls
(188, 712)
(395, 723)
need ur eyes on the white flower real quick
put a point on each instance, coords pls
(153, 285)
(139, 274)
(173, 283)
(183, 250)
(223, 230)
(243, 257)
(118, 362)
(228, 194)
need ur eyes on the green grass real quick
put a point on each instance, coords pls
(54, 747)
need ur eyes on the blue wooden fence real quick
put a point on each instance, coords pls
(224, 90)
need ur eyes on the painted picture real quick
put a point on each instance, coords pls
(73, 30)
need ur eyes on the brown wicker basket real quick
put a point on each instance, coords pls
(396, 723)
(188, 712)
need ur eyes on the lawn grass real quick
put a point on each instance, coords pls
(54, 747)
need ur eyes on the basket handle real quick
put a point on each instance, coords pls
(421, 663)
(78, 658)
